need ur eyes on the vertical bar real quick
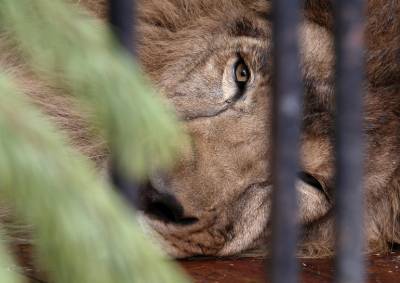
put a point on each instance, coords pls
(349, 79)
(122, 15)
(286, 128)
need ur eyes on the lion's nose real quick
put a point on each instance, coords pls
(163, 206)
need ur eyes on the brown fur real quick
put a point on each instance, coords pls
(188, 48)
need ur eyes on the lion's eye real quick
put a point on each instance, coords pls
(242, 73)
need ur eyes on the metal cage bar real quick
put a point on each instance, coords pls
(287, 101)
(349, 79)
(122, 15)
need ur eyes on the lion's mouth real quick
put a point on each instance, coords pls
(207, 233)
(314, 182)
(213, 231)
(310, 180)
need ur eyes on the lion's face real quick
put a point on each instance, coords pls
(212, 61)
(222, 182)
(216, 72)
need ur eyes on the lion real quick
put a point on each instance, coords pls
(212, 61)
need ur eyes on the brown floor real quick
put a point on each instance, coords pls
(381, 269)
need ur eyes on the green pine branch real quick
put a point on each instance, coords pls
(8, 268)
(82, 231)
(78, 52)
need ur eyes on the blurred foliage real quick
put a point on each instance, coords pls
(8, 269)
(77, 52)
(83, 232)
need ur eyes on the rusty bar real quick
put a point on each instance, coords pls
(349, 33)
(286, 128)
(122, 14)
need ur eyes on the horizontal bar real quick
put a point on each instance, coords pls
(349, 34)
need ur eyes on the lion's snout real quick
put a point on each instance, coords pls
(163, 206)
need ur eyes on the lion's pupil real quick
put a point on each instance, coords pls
(242, 73)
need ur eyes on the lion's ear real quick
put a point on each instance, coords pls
(320, 12)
